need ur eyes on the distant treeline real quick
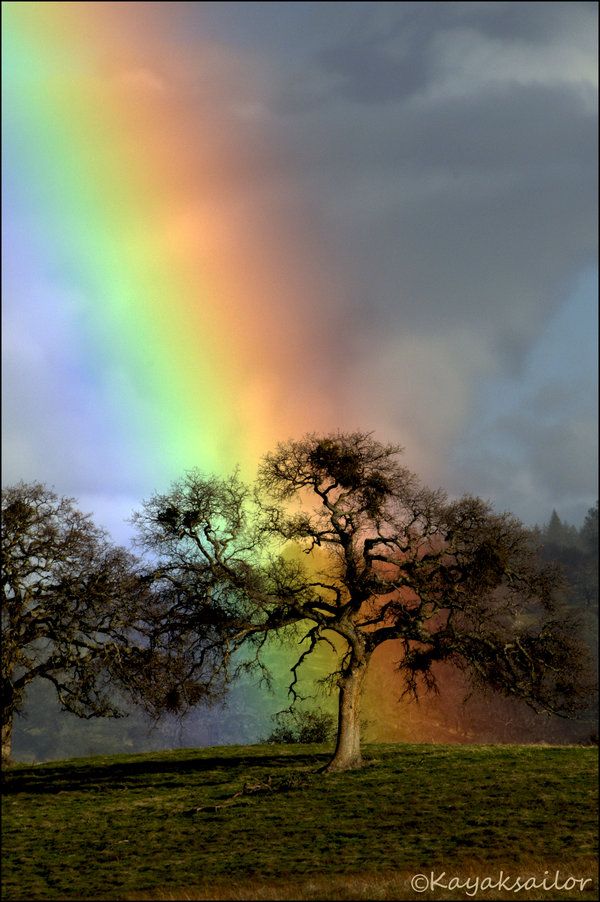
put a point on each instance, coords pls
(576, 550)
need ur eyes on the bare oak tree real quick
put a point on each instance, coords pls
(70, 604)
(387, 560)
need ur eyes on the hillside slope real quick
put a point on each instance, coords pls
(257, 822)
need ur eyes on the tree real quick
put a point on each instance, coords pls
(560, 533)
(577, 554)
(587, 578)
(589, 532)
(70, 604)
(386, 560)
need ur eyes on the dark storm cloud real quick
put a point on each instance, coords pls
(445, 155)
(538, 457)
(374, 71)
(394, 55)
(480, 205)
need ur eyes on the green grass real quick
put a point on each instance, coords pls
(125, 827)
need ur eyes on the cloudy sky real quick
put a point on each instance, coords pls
(435, 166)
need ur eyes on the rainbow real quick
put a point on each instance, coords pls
(134, 167)
(136, 170)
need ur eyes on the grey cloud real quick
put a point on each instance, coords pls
(534, 460)
(483, 208)
(524, 128)
(371, 70)
(526, 21)
(391, 53)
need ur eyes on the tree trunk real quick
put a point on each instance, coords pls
(347, 754)
(7, 741)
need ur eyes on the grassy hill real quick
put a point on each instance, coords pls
(256, 822)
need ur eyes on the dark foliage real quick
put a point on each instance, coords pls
(78, 613)
(302, 726)
(69, 601)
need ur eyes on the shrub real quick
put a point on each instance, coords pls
(302, 726)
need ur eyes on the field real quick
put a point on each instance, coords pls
(256, 822)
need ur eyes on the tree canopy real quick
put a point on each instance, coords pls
(76, 612)
(67, 595)
(385, 560)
